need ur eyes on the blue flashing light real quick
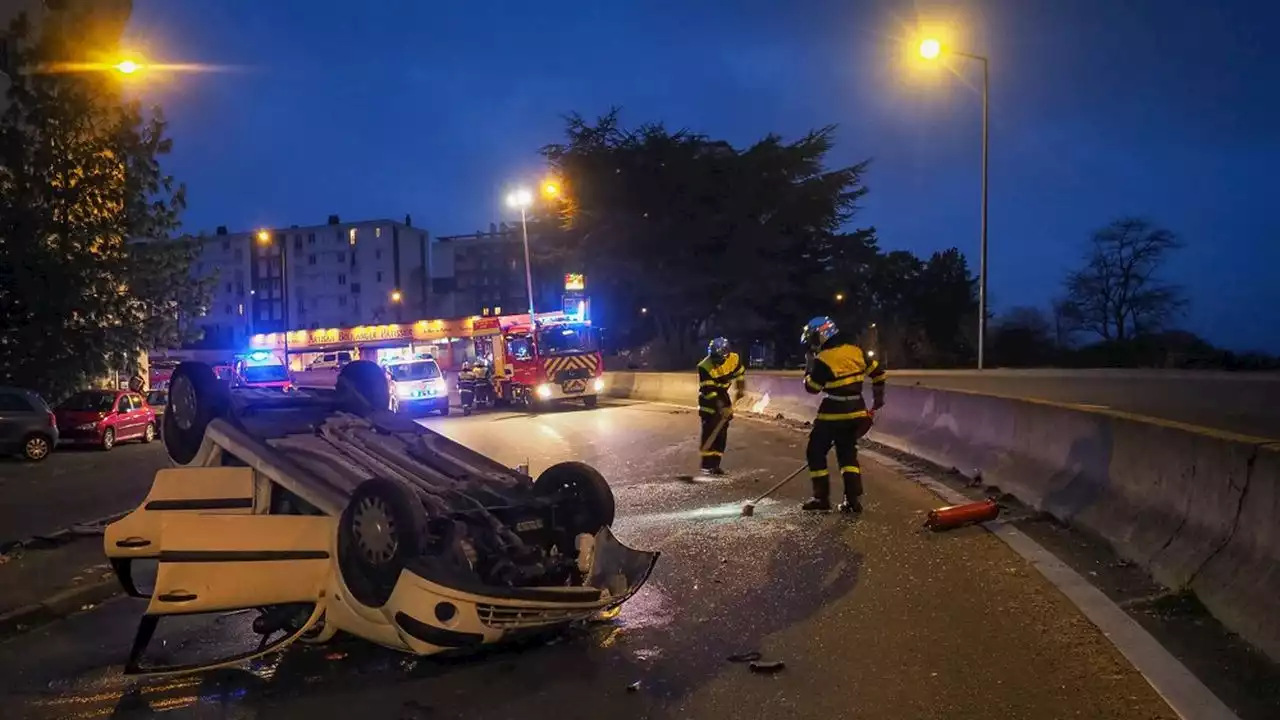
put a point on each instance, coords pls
(259, 356)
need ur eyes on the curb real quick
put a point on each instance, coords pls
(56, 607)
(89, 527)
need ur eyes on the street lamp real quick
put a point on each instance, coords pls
(932, 49)
(264, 239)
(551, 188)
(522, 198)
(396, 296)
(839, 297)
(127, 67)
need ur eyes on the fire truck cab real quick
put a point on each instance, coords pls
(562, 362)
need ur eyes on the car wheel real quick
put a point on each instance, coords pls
(150, 433)
(36, 447)
(108, 439)
(444, 411)
(196, 397)
(581, 492)
(591, 401)
(363, 388)
(379, 532)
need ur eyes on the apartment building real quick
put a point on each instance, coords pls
(340, 274)
(483, 274)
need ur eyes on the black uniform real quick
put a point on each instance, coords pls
(714, 381)
(838, 371)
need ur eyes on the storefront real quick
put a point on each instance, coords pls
(449, 341)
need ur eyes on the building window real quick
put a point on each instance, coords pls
(239, 254)
(226, 245)
(342, 279)
(342, 257)
(311, 259)
(377, 231)
(355, 288)
(297, 242)
(342, 301)
(227, 310)
(497, 310)
(351, 236)
(379, 274)
(377, 254)
(240, 309)
(302, 307)
(228, 288)
(311, 238)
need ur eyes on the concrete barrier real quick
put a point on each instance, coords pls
(1198, 508)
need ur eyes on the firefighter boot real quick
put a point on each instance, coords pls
(852, 493)
(821, 500)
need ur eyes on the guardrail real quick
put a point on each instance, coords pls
(1196, 507)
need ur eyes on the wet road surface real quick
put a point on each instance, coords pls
(873, 617)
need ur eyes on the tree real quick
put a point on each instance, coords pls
(89, 276)
(1117, 294)
(709, 238)
(1023, 337)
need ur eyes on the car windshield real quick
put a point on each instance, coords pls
(89, 401)
(264, 373)
(423, 370)
(566, 340)
(156, 398)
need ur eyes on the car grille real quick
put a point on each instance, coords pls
(578, 373)
(502, 617)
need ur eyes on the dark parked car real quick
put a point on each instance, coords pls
(105, 417)
(27, 426)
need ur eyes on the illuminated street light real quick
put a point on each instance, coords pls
(520, 198)
(551, 189)
(128, 67)
(644, 311)
(931, 49)
(264, 237)
(396, 296)
(839, 297)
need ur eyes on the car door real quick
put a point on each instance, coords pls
(120, 417)
(212, 564)
(15, 412)
(139, 413)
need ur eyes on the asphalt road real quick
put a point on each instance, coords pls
(873, 617)
(73, 485)
(1246, 403)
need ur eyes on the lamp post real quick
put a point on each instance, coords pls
(522, 198)
(931, 49)
(264, 239)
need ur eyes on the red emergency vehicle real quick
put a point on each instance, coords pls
(562, 362)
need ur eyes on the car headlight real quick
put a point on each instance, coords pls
(598, 385)
(87, 426)
(544, 391)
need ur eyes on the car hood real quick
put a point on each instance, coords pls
(617, 569)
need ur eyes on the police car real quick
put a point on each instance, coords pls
(417, 385)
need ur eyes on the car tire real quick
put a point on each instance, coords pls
(591, 401)
(444, 411)
(582, 492)
(108, 439)
(379, 532)
(196, 397)
(363, 388)
(36, 447)
(149, 434)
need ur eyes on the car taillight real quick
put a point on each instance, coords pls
(53, 420)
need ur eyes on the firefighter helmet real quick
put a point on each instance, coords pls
(818, 331)
(718, 347)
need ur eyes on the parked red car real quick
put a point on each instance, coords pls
(103, 418)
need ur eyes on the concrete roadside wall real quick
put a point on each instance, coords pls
(1200, 509)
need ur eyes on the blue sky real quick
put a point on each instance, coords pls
(1165, 109)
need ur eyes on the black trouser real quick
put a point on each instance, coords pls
(844, 435)
(713, 448)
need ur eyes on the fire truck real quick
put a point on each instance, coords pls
(561, 362)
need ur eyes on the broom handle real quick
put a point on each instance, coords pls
(712, 437)
(784, 481)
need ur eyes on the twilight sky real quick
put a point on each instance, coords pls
(1162, 108)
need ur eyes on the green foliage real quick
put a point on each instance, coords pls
(89, 275)
(748, 243)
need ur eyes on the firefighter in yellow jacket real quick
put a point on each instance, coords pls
(837, 370)
(719, 371)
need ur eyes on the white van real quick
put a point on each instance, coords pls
(332, 361)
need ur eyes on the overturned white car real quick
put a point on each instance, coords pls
(325, 512)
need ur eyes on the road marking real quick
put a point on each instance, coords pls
(1180, 688)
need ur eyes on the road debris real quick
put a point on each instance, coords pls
(766, 666)
(744, 657)
(634, 687)
(954, 516)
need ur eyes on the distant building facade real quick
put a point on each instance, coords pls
(483, 274)
(340, 274)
